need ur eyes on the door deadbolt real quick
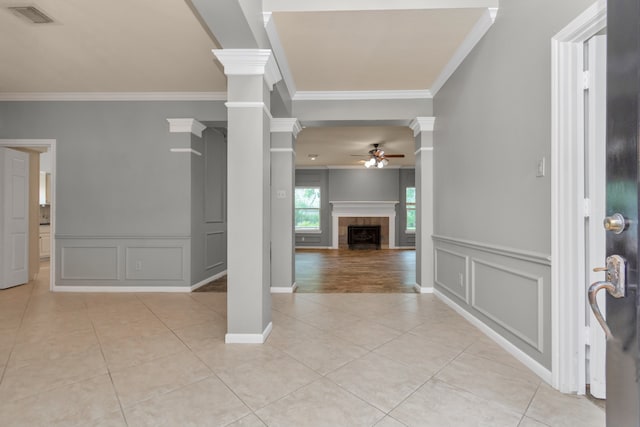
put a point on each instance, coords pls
(615, 223)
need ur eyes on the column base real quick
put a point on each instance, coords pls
(284, 289)
(423, 289)
(249, 338)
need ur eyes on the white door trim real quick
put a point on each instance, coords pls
(51, 146)
(567, 135)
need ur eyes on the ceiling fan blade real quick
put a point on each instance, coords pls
(394, 155)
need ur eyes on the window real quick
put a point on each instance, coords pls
(307, 209)
(410, 202)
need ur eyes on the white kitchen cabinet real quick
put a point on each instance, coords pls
(45, 241)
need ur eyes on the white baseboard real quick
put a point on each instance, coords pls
(249, 338)
(423, 289)
(210, 279)
(314, 247)
(524, 358)
(124, 288)
(284, 289)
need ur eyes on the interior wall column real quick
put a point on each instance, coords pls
(423, 134)
(251, 74)
(283, 172)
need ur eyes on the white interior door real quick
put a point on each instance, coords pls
(14, 234)
(595, 185)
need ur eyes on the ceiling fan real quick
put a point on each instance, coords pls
(378, 158)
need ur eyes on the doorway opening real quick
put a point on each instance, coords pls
(573, 213)
(49, 146)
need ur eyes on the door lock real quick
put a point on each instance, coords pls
(615, 223)
(615, 284)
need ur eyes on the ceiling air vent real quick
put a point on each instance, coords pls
(32, 14)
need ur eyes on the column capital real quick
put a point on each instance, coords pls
(422, 124)
(291, 125)
(185, 126)
(249, 62)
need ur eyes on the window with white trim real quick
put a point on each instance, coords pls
(307, 209)
(410, 203)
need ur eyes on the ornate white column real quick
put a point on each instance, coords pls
(423, 133)
(251, 74)
(283, 174)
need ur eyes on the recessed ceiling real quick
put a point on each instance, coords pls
(349, 145)
(107, 46)
(371, 50)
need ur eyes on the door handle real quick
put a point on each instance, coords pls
(615, 284)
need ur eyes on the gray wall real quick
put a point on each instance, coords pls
(355, 185)
(123, 200)
(208, 205)
(493, 125)
(340, 110)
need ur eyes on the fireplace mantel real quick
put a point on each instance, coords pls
(362, 209)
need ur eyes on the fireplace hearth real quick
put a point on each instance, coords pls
(363, 236)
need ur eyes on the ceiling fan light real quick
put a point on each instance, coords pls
(380, 164)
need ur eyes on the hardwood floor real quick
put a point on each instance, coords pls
(348, 271)
(355, 271)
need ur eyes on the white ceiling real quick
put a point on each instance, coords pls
(323, 46)
(107, 46)
(371, 50)
(349, 145)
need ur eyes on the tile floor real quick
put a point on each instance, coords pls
(332, 360)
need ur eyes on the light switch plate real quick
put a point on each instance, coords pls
(281, 194)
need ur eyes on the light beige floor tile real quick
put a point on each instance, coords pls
(366, 334)
(62, 323)
(217, 301)
(115, 419)
(11, 318)
(122, 328)
(176, 317)
(40, 376)
(220, 356)
(157, 377)
(511, 387)
(379, 381)
(389, 422)
(488, 349)
(323, 352)
(320, 404)
(204, 335)
(438, 404)
(78, 404)
(563, 410)
(125, 352)
(7, 339)
(249, 421)
(208, 402)
(419, 353)
(329, 320)
(53, 347)
(459, 334)
(529, 422)
(259, 382)
(400, 321)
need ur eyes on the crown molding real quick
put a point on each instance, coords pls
(422, 124)
(249, 62)
(113, 96)
(341, 5)
(493, 12)
(286, 125)
(473, 37)
(186, 126)
(279, 53)
(346, 95)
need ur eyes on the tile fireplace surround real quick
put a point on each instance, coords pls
(385, 209)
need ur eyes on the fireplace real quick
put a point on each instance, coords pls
(382, 213)
(364, 236)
